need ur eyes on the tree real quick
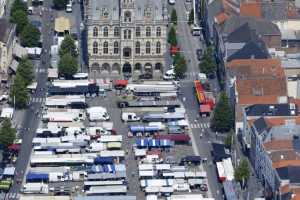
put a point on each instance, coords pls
(67, 65)
(68, 46)
(7, 133)
(191, 17)
(207, 64)
(25, 69)
(19, 17)
(30, 36)
(242, 172)
(60, 4)
(19, 93)
(18, 5)
(180, 67)
(174, 17)
(172, 39)
(222, 120)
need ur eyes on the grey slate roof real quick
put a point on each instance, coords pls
(260, 125)
(291, 173)
(253, 49)
(241, 34)
(113, 8)
(5, 29)
(271, 110)
(261, 26)
(274, 10)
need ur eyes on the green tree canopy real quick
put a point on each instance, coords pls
(229, 140)
(222, 120)
(60, 4)
(191, 17)
(67, 65)
(174, 17)
(180, 66)
(172, 39)
(7, 133)
(30, 36)
(19, 92)
(68, 46)
(19, 17)
(207, 64)
(25, 69)
(242, 172)
(18, 5)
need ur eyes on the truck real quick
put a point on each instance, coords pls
(206, 103)
(69, 116)
(129, 117)
(163, 117)
(162, 103)
(35, 188)
(97, 113)
(151, 87)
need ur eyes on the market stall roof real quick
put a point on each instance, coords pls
(62, 24)
(52, 73)
(165, 143)
(142, 142)
(15, 147)
(153, 143)
(7, 113)
(9, 171)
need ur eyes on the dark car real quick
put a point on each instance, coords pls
(145, 76)
(199, 53)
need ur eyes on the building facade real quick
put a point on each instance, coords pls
(7, 41)
(126, 37)
(2, 7)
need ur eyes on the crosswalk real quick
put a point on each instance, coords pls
(37, 99)
(12, 196)
(198, 125)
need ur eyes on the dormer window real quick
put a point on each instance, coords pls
(148, 12)
(105, 12)
(127, 16)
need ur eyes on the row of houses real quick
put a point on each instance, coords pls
(256, 46)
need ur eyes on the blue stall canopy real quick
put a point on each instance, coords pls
(109, 168)
(165, 143)
(141, 143)
(153, 143)
(103, 160)
(151, 128)
(96, 169)
(138, 128)
(37, 177)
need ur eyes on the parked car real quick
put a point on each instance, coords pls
(146, 76)
(172, 2)
(199, 53)
(69, 8)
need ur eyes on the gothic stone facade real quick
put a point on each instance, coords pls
(126, 37)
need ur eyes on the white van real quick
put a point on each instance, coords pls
(130, 117)
(169, 74)
(97, 113)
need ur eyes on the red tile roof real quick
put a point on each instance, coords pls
(276, 145)
(251, 9)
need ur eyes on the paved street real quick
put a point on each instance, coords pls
(31, 120)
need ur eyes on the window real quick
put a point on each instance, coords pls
(137, 48)
(95, 48)
(158, 48)
(116, 32)
(129, 34)
(148, 48)
(105, 31)
(127, 16)
(138, 32)
(105, 47)
(95, 31)
(158, 32)
(116, 47)
(148, 32)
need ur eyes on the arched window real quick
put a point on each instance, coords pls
(95, 32)
(158, 32)
(127, 16)
(95, 48)
(116, 32)
(148, 31)
(116, 47)
(158, 46)
(137, 48)
(105, 48)
(138, 32)
(105, 31)
(148, 47)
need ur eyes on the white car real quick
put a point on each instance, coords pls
(69, 8)
(169, 75)
(172, 2)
